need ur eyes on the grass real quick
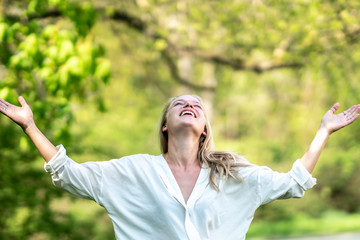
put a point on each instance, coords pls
(301, 225)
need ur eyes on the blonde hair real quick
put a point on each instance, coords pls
(221, 163)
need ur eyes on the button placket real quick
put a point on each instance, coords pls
(170, 188)
(191, 231)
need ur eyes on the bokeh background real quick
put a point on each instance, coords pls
(97, 74)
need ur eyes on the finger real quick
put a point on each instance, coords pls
(352, 118)
(335, 107)
(22, 101)
(352, 111)
(348, 112)
(357, 108)
(5, 103)
(3, 108)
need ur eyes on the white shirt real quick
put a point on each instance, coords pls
(144, 201)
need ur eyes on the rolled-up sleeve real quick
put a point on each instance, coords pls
(273, 185)
(302, 176)
(57, 161)
(83, 180)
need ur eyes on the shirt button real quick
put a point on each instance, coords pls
(48, 168)
(191, 212)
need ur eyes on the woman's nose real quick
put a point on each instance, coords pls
(189, 105)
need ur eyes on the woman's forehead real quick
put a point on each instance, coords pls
(188, 98)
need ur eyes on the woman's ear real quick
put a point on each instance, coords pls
(204, 133)
(203, 136)
(164, 128)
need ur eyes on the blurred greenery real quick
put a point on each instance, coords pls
(97, 73)
(302, 225)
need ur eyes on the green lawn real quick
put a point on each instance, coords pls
(330, 223)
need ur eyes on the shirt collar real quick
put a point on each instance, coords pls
(173, 188)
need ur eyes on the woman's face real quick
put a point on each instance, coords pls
(185, 114)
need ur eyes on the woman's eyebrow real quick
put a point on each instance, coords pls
(195, 102)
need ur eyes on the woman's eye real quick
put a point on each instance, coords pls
(177, 104)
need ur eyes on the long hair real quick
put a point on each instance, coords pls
(222, 164)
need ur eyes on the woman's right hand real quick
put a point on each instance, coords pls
(22, 116)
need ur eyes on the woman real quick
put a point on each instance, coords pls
(187, 192)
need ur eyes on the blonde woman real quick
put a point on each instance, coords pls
(189, 191)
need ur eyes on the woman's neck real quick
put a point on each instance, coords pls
(182, 151)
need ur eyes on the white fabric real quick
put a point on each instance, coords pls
(144, 200)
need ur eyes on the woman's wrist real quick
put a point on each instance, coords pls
(324, 130)
(30, 127)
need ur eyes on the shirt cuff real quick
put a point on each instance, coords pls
(57, 161)
(302, 176)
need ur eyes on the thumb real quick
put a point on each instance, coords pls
(335, 107)
(22, 101)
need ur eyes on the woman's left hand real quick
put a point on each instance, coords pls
(333, 122)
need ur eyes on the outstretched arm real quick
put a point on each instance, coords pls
(23, 116)
(330, 123)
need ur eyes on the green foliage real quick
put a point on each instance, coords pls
(275, 67)
(50, 63)
(302, 225)
(340, 177)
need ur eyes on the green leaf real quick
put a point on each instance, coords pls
(3, 27)
(75, 66)
(66, 49)
(103, 69)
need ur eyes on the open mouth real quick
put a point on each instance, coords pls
(187, 112)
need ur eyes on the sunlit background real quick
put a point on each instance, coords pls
(98, 73)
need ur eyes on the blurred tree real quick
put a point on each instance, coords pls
(267, 69)
(49, 60)
(277, 66)
(271, 61)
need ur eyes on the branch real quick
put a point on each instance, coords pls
(18, 17)
(175, 74)
(237, 63)
(121, 16)
(262, 67)
(142, 27)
